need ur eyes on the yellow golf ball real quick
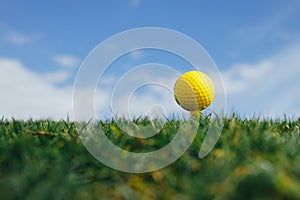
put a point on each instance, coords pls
(194, 91)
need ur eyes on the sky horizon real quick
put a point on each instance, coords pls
(255, 45)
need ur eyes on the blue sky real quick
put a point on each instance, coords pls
(44, 42)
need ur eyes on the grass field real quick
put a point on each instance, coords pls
(253, 159)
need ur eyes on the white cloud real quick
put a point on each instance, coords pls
(137, 54)
(57, 76)
(68, 61)
(237, 78)
(25, 93)
(140, 89)
(269, 87)
(18, 38)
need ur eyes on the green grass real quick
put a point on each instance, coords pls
(253, 159)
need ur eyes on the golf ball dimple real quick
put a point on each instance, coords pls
(194, 91)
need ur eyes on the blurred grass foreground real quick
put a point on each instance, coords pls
(253, 159)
